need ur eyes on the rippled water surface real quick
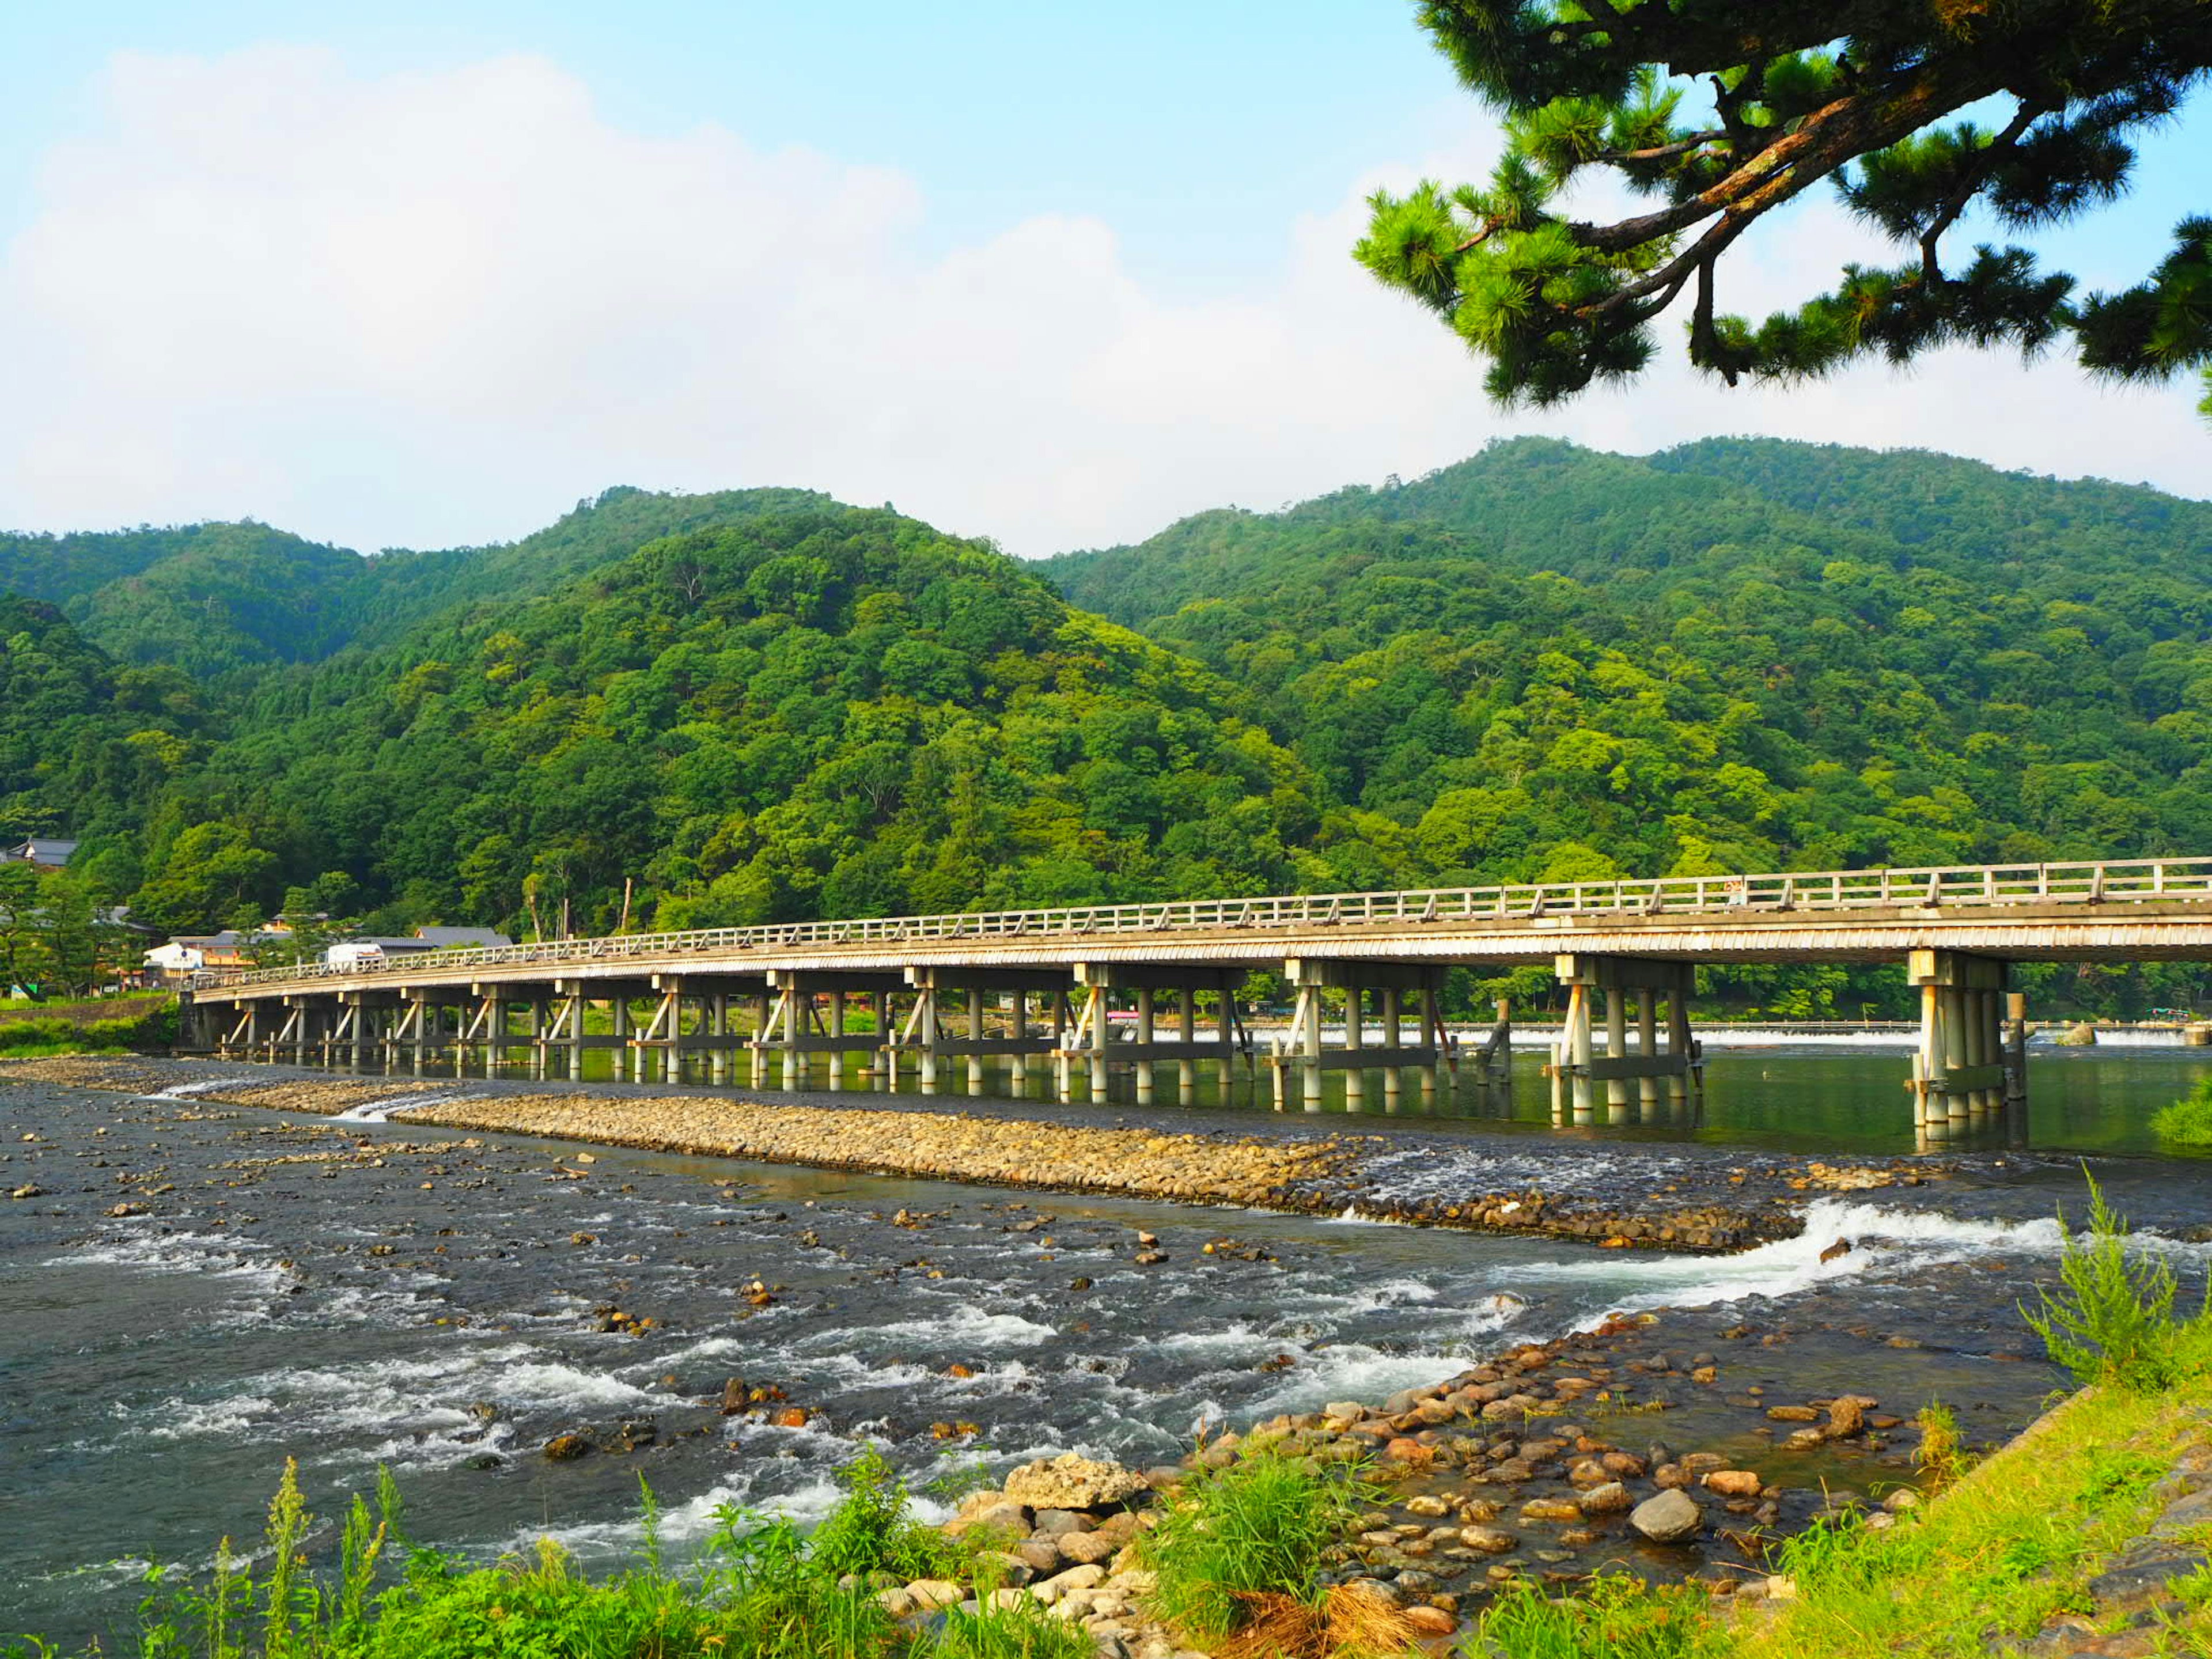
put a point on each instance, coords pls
(445, 1311)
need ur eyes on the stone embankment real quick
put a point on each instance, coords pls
(1311, 1175)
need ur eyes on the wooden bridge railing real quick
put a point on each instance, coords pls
(2121, 880)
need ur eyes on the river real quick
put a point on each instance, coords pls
(366, 1294)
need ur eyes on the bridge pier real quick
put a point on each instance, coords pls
(1302, 1048)
(1576, 1068)
(974, 991)
(1968, 1066)
(1094, 1045)
(792, 1026)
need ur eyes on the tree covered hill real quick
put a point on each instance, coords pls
(765, 705)
(1730, 655)
(215, 598)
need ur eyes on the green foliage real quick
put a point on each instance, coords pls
(871, 1531)
(1612, 1616)
(2113, 1321)
(1259, 1526)
(1724, 112)
(2188, 1121)
(1942, 1454)
(1022, 1630)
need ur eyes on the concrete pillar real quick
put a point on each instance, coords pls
(1432, 1040)
(786, 1036)
(926, 1036)
(1310, 1007)
(1616, 1047)
(1225, 1020)
(1063, 1081)
(1678, 1040)
(717, 1019)
(975, 1030)
(1187, 1029)
(1579, 1051)
(1018, 1027)
(1647, 1047)
(1146, 1075)
(1355, 1039)
(1101, 1031)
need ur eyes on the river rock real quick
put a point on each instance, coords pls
(1075, 1578)
(1040, 1554)
(1668, 1518)
(1610, 1499)
(1072, 1482)
(928, 1594)
(1733, 1483)
(1085, 1548)
(1490, 1541)
(1427, 1504)
(564, 1447)
(1792, 1414)
(1551, 1509)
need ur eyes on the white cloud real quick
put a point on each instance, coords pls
(434, 308)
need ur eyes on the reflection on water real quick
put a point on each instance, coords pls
(1827, 1093)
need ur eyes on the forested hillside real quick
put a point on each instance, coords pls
(1732, 655)
(1541, 662)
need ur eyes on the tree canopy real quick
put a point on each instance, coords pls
(1919, 112)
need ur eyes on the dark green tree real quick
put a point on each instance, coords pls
(1724, 111)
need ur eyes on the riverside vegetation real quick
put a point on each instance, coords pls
(764, 705)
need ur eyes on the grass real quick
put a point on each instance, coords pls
(2188, 1121)
(1612, 1617)
(1239, 1558)
(88, 1028)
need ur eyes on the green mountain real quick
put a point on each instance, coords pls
(1733, 654)
(1543, 661)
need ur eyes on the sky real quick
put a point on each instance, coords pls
(426, 275)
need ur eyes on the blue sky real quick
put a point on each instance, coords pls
(425, 273)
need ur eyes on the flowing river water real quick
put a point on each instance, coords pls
(364, 1293)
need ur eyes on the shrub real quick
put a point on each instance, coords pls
(2114, 1321)
(2188, 1121)
(1258, 1528)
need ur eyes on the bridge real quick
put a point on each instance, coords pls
(1086, 988)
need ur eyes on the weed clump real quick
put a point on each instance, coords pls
(1614, 1616)
(2188, 1121)
(1245, 1546)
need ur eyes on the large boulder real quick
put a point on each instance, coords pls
(1668, 1518)
(1073, 1482)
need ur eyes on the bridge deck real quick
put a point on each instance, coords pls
(2113, 911)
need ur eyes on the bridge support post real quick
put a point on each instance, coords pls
(1575, 1068)
(1099, 1027)
(1147, 1077)
(1018, 1031)
(1959, 1071)
(977, 1033)
(1187, 1029)
(1355, 1040)
(1393, 1037)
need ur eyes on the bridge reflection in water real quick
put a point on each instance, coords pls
(1089, 990)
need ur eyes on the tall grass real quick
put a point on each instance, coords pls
(1612, 1617)
(2112, 1321)
(1261, 1527)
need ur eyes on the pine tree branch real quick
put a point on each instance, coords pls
(1931, 269)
